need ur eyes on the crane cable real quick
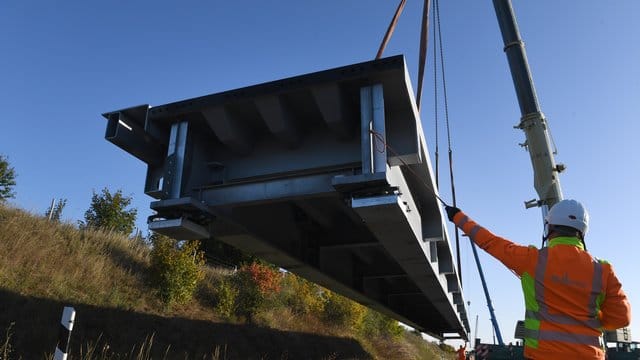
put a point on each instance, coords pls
(452, 180)
(435, 106)
(423, 50)
(393, 152)
(439, 45)
(424, 33)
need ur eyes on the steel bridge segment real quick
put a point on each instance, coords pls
(289, 170)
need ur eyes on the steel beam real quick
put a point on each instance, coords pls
(175, 160)
(372, 129)
(280, 170)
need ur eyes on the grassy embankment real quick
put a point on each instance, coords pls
(45, 266)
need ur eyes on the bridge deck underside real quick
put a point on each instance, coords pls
(282, 170)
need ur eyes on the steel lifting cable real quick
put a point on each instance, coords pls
(435, 104)
(390, 29)
(393, 152)
(422, 57)
(424, 34)
(438, 30)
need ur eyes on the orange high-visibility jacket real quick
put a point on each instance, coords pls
(569, 296)
(462, 354)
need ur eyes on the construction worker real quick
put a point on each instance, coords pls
(461, 352)
(570, 297)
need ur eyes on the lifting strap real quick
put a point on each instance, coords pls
(424, 35)
(390, 29)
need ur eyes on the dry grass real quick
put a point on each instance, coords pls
(409, 346)
(93, 351)
(5, 347)
(57, 261)
(93, 267)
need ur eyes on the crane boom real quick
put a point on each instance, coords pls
(532, 122)
(534, 125)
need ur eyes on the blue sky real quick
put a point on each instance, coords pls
(62, 64)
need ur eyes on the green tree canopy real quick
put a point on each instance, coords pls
(7, 179)
(109, 211)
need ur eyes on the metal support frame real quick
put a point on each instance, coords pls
(175, 159)
(374, 149)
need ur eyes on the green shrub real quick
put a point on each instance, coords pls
(301, 296)
(446, 348)
(375, 324)
(340, 311)
(225, 298)
(256, 284)
(176, 268)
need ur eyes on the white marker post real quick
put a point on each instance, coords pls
(62, 348)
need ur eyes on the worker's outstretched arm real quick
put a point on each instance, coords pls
(615, 309)
(515, 257)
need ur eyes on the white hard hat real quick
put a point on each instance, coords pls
(569, 213)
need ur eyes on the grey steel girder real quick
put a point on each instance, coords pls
(326, 175)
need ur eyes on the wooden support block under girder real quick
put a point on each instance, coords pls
(230, 131)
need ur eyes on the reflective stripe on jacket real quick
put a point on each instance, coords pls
(569, 296)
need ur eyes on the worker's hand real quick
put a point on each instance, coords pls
(451, 211)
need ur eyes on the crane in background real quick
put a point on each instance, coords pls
(535, 127)
(532, 122)
(545, 169)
